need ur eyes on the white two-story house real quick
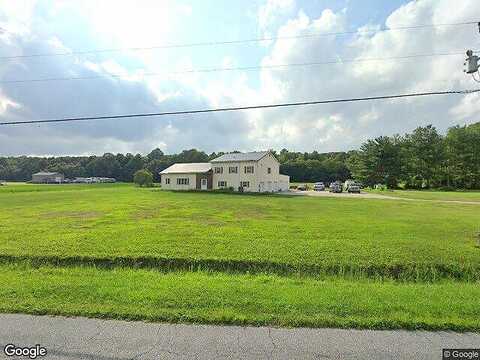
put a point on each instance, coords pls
(249, 172)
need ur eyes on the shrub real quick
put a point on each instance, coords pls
(143, 178)
(447, 188)
(381, 187)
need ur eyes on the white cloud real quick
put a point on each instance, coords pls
(132, 23)
(7, 104)
(268, 12)
(323, 128)
(16, 17)
(353, 123)
(468, 108)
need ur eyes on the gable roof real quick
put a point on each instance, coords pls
(249, 156)
(187, 168)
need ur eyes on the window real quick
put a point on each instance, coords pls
(167, 181)
(222, 184)
(248, 169)
(245, 184)
(218, 170)
(269, 170)
(183, 181)
(233, 170)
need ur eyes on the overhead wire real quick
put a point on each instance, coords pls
(225, 69)
(239, 108)
(240, 41)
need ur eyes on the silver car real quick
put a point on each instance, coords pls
(354, 188)
(335, 187)
(319, 186)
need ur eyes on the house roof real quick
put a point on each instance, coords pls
(187, 168)
(249, 156)
(44, 173)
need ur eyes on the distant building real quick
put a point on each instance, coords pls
(47, 178)
(249, 172)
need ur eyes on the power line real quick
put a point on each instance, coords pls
(243, 41)
(241, 68)
(238, 108)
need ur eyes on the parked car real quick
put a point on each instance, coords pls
(354, 188)
(319, 186)
(336, 187)
(302, 187)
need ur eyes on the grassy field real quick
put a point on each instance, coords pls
(238, 299)
(470, 196)
(120, 251)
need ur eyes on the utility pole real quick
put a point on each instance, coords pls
(472, 62)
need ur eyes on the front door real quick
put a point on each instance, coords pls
(203, 184)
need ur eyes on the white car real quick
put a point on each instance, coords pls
(318, 186)
(354, 188)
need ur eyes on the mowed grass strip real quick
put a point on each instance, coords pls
(409, 240)
(239, 299)
(467, 196)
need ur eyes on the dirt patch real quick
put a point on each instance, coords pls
(159, 213)
(146, 214)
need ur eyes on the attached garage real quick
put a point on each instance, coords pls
(191, 176)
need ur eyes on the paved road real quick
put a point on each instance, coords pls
(80, 338)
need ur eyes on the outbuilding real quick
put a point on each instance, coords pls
(47, 178)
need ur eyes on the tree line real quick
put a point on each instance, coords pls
(300, 166)
(119, 166)
(421, 159)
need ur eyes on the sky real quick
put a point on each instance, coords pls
(138, 56)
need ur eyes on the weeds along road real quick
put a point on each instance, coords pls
(91, 339)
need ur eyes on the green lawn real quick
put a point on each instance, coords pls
(415, 239)
(239, 299)
(433, 195)
(121, 251)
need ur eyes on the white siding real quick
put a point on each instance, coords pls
(233, 180)
(260, 181)
(192, 178)
(284, 183)
(268, 182)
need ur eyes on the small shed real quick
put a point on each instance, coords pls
(44, 177)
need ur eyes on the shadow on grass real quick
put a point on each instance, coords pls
(400, 272)
(283, 195)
